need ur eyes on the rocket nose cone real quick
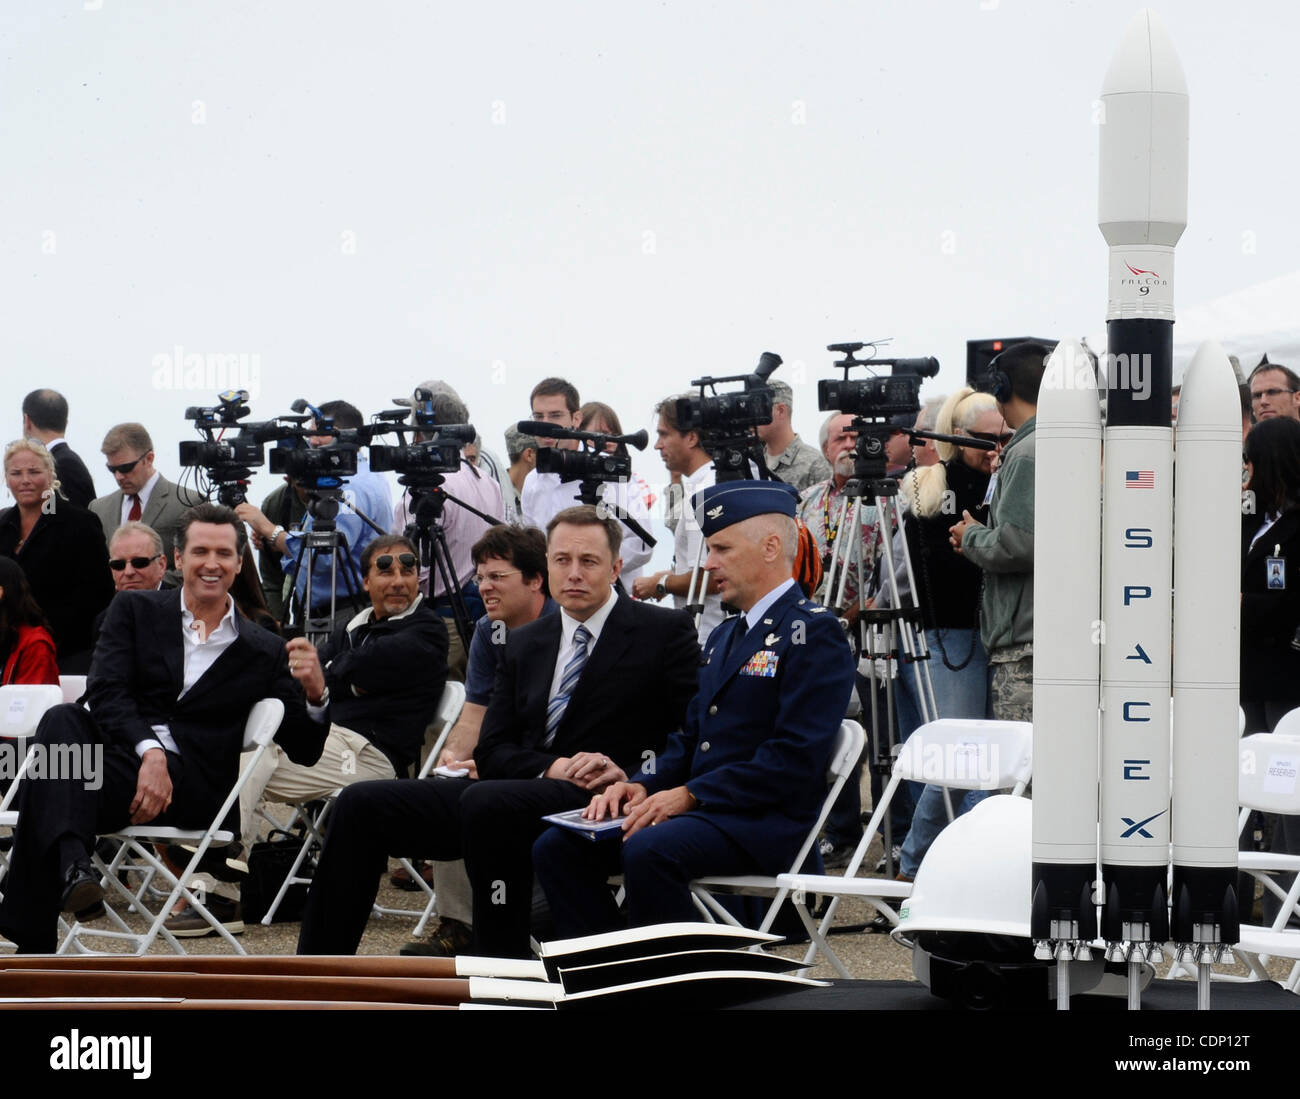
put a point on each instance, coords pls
(1068, 392)
(1209, 394)
(1145, 60)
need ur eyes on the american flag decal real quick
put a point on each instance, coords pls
(1139, 478)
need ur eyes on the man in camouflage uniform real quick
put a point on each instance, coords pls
(788, 456)
(820, 511)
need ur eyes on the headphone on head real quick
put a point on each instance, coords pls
(996, 381)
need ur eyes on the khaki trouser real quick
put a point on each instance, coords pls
(348, 757)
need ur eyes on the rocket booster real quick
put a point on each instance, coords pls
(1067, 585)
(1142, 211)
(1204, 905)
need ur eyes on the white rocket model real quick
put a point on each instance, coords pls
(1122, 810)
(1067, 653)
(1142, 213)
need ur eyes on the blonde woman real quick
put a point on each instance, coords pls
(60, 548)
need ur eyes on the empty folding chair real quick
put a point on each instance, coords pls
(843, 763)
(955, 753)
(137, 845)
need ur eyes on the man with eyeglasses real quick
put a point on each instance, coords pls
(510, 568)
(384, 672)
(143, 494)
(1274, 391)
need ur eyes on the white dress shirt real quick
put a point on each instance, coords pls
(545, 495)
(568, 627)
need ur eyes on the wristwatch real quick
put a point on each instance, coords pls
(661, 589)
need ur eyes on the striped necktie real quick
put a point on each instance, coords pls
(569, 680)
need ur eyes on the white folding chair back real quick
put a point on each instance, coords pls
(72, 686)
(969, 754)
(956, 753)
(1288, 724)
(136, 844)
(849, 742)
(22, 705)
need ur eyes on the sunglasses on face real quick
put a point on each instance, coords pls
(384, 561)
(126, 467)
(999, 437)
(117, 564)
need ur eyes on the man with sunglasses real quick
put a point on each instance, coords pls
(136, 558)
(384, 673)
(143, 494)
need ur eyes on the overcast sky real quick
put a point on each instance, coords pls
(355, 197)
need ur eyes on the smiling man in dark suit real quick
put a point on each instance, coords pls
(739, 787)
(173, 678)
(583, 698)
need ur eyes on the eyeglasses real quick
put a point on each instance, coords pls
(126, 467)
(384, 561)
(999, 437)
(117, 564)
(494, 577)
(1271, 394)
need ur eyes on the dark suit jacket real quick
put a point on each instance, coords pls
(66, 567)
(759, 734)
(632, 693)
(136, 676)
(74, 477)
(1270, 668)
(167, 503)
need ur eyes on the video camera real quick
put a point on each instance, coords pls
(601, 458)
(875, 398)
(433, 451)
(228, 463)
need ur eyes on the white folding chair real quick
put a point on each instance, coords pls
(21, 708)
(136, 844)
(955, 753)
(449, 707)
(843, 764)
(1269, 781)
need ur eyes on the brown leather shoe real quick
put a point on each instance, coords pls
(449, 938)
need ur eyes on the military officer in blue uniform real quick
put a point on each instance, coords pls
(737, 789)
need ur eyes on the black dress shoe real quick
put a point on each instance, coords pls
(81, 888)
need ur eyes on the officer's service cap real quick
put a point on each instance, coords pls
(719, 506)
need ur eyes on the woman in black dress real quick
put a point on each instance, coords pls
(60, 548)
